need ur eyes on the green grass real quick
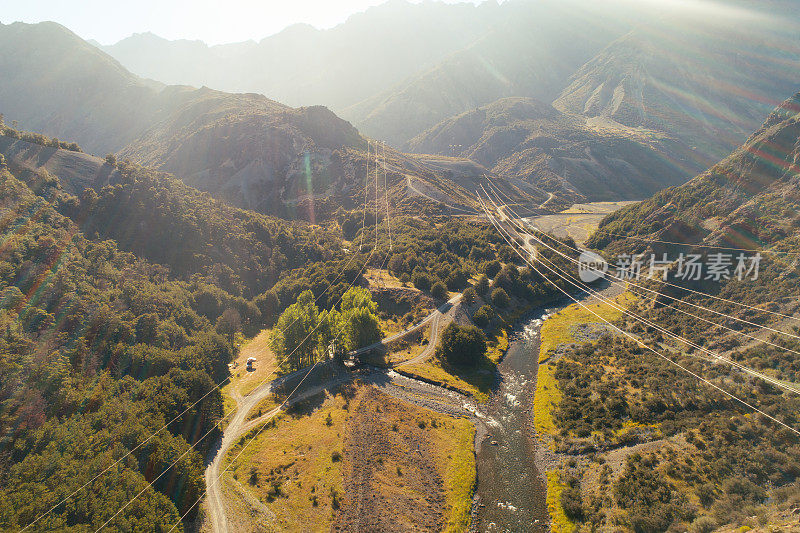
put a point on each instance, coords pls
(477, 381)
(546, 398)
(472, 383)
(455, 452)
(296, 453)
(557, 329)
(559, 522)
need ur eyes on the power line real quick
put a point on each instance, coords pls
(218, 385)
(377, 205)
(150, 484)
(644, 239)
(386, 186)
(366, 199)
(634, 339)
(253, 438)
(710, 296)
(667, 332)
(569, 279)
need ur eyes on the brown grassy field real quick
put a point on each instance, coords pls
(341, 459)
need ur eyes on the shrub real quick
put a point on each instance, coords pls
(482, 285)
(483, 316)
(462, 345)
(439, 291)
(571, 503)
(500, 298)
(470, 296)
(421, 281)
(491, 268)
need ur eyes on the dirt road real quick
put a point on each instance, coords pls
(438, 320)
(390, 382)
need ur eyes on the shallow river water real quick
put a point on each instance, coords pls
(511, 494)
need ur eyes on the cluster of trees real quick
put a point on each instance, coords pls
(305, 335)
(98, 350)
(160, 219)
(462, 345)
(37, 138)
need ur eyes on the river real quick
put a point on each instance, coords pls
(511, 493)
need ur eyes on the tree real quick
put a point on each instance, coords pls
(491, 268)
(462, 345)
(469, 296)
(396, 264)
(330, 326)
(294, 341)
(269, 305)
(229, 323)
(439, 291)
(359, 320)
(500, 298)
(147, 328)
(421, 281)
(483, 316)
(482, 285)
(111, 160)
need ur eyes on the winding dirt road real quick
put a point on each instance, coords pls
(422, 394)
(437, 318)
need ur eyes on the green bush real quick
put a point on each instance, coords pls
(483, 316)
(462, 345)
(500, 298)
(439, 291)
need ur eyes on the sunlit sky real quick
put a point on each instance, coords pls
(213, 21)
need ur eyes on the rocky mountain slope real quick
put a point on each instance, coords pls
(749, 200)
(583, 159)
(709, 82)
(244, 148)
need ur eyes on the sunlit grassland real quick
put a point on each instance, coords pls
(476, 381)
(455, 448)
(298, 472)
(242, 381)
(557, 330)
(559, 522)
(295, 466)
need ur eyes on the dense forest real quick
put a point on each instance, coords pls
(121, 308)
(99, 349)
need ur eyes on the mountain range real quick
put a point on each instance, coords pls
(574, 109)
(707, 73)
(243, 147)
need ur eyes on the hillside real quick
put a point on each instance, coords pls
(508, 60)
(749, 200)
(244, 148)
(302, 65)
(216, 140)
(579, 159)
(705, 74)
(685, 77)
(100, 348)
(677, 455)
